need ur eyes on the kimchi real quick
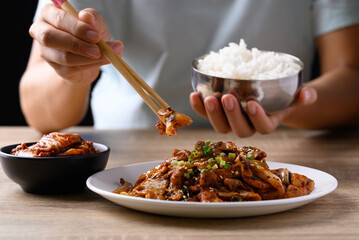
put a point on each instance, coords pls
(217, 172)
(56, 144)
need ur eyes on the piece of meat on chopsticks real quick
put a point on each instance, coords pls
(56, 144)
(173, 121)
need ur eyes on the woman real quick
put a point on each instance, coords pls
(162, 38)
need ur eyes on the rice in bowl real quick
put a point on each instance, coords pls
(236, 61)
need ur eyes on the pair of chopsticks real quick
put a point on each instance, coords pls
(137, 83)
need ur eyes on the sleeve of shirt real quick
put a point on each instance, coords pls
(331, 15)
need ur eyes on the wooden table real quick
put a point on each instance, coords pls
(86, 215)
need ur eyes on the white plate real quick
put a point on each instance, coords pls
(106, 181)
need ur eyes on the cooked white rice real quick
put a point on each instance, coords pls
(238, 62)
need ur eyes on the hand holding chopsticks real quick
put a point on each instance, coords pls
(169, 120)
(141, 87)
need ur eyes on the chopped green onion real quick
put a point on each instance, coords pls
(198, 147)
(250, 156)
(181, 163)
(204, 170)
(218, 159)
(207, 142)
(209, 167)
(222, 162)
(189, 173)
(211, 160)
(215, 166)
(174, 163)
(206, 150)
(222, 154)
(190, 159)
(227, 165)
(232, 155)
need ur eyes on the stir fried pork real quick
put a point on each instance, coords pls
(170, 121)
(56, 144)
(217, 172)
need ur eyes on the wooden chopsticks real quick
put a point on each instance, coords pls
(141, 87)
(133, 79)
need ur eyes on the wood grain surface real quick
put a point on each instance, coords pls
(87, 215)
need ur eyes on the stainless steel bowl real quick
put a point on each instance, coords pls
(273, 94)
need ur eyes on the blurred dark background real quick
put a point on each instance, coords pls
(17, 44)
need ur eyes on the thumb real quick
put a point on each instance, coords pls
(307, 96)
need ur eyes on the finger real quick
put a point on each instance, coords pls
(92, 17)
(87, 71)
(117, 46)
(262, 122)
(68, 59)
(216, 115)
(307, 96)
(66, 22)
(66, 64)
(237, 120)
(197, 104)
(54, 38)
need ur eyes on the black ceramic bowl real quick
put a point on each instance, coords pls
(52, 175)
